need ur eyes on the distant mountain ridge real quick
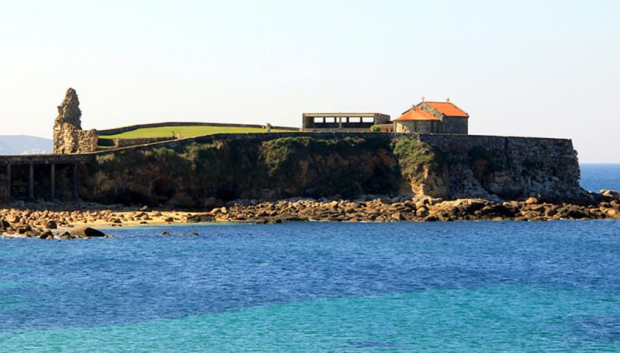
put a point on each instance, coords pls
(24, 144)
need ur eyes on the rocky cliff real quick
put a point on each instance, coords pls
(211, 170)
(68, 134)
(501, 168)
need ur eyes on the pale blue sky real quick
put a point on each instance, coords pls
(525, 68)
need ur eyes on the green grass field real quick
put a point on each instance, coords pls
(184, 131)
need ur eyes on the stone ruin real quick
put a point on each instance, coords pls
(68, 134)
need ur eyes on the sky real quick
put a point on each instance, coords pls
(519, 68)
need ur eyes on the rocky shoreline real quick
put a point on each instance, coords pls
(78, 220)
(417, 210)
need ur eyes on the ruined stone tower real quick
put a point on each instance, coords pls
(68, 134)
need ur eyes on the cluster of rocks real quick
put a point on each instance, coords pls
(420, 209)
(22, 228)
(68, 134)
(76, 221)
(59, 223)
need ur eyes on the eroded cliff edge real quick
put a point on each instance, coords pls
(209, 170)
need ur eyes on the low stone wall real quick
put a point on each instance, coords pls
(115, 131)
(141, 141)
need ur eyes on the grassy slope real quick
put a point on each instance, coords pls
(185, 131)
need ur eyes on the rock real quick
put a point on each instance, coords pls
(551, 212)
(24, 229)
(499, 210)
(47, 235)
(51, 225)
(573, 212)
(169, 220)
(86, 232)
(611, 194)
(64, 236)
(422, 212)
(531, 201)
(397, 216)
(4, 224)
(431, 219)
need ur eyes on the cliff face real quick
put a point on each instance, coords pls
(192, 175)
(202, 173)
(503, 168)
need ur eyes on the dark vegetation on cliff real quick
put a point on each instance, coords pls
(417, 158)
(189, 176)
(204, 174)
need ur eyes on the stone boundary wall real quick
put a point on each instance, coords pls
(108, 132)
(140, 141)
(511, 147)
(553, 156)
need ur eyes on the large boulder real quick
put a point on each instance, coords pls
(86, 232)
(4, 224)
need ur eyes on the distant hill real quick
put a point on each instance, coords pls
(22, 144)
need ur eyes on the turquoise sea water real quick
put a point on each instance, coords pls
(318, 287)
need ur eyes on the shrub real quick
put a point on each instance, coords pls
(413, 156)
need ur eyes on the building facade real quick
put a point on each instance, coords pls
(433, 118)
(353, 122)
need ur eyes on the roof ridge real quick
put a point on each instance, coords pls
(451, 104)
(417, 114)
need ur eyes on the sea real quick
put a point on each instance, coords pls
(320, 287)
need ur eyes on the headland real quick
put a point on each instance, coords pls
(424, 166)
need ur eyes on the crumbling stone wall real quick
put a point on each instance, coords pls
(68, 134)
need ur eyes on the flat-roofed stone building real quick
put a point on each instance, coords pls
(353, 122)
(433, 118)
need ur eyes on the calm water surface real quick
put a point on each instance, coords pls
(319, 287)
(597, 177)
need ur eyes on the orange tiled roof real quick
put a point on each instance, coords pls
(417, 114)
(448, 109)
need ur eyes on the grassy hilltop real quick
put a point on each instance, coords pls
(184, 131)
